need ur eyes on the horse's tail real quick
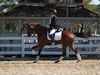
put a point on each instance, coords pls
(83, 35)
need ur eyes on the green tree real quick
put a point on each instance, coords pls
(4, 1)
(91, 7)
(98, 9)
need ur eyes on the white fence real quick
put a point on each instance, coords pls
(22, 46)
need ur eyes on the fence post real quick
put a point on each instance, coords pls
(90, 44)
(23, 48)
(67, 52)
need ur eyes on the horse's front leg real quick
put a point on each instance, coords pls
(34, 47)
(63, 53)
(39, 49)
(38, 55)
(60, 59)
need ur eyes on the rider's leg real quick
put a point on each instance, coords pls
(52, 31)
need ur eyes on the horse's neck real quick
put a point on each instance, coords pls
(40, 30)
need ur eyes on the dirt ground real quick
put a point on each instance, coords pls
(48, 67)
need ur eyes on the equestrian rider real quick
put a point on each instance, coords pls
(80, 26)
(53, 26)
(52, 19)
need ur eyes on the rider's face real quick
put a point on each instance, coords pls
(51, 14)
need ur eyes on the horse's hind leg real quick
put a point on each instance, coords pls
(76, 52)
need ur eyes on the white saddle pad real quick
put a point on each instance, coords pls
(57, 36)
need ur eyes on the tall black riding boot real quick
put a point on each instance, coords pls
(52, 39)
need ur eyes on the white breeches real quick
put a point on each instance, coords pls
(52, 31)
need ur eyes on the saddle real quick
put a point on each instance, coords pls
(57, 34)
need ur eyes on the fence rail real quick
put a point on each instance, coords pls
(23, 47)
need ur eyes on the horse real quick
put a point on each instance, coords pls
(67, 40)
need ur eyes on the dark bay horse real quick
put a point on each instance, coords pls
(66, 41)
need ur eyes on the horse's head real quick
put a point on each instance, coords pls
(30, 27)
(35, 27)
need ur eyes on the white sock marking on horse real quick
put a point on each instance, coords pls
(33, 51)
(61, 58)
(37, 58)
(78, 57)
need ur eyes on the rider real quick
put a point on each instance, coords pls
(53, 26)
(52, 19)
(81, 30)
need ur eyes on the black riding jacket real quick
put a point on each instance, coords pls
(53, 21)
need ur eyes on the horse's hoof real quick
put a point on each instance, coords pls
(35, 61)
(57, 61)
(78, 61)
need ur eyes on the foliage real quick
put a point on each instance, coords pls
(11, 27)
(98, 9)
(6, 5)
(93, 8)
(6, 1)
